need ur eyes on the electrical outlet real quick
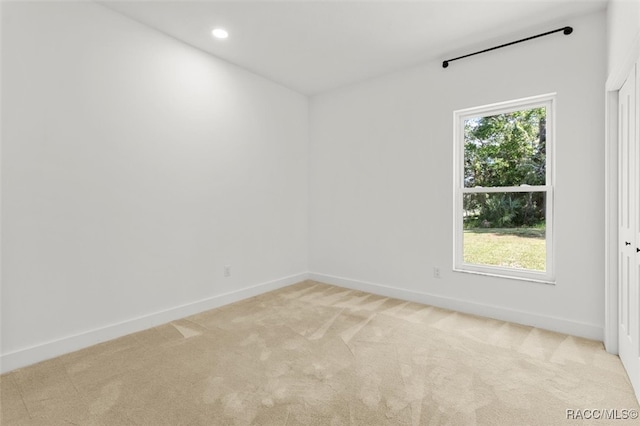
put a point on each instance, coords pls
(436, 272)
(227, 271)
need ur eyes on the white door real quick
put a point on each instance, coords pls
(629, 227)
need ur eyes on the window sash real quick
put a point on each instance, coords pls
(460, 265)
(495, 189)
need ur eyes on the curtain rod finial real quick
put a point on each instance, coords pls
(445, 64)
(567, 30)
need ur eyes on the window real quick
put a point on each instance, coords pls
(504, 189)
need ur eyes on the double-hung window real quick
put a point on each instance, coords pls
(503, 182)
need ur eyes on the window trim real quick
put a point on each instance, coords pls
(459, 116)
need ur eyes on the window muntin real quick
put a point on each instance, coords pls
(504, 189)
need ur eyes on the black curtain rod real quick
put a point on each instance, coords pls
(566, 30)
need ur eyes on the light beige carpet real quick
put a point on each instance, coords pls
(314, 354)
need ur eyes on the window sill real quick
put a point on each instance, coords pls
(509, 277)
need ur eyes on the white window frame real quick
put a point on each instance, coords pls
(547, 101)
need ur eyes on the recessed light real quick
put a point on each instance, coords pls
(220, 33)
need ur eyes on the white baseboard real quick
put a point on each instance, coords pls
(28, 356)
(561, 325)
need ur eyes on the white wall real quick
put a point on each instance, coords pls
(134, 168)
(381, 180)
(623, 35)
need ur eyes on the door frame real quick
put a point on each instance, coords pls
(614, 83)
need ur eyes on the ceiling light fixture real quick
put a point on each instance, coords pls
(220, 33)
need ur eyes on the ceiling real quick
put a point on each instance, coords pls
(314, 46)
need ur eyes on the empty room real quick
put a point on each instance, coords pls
(320, 212)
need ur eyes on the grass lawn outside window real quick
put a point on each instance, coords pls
(519, 248)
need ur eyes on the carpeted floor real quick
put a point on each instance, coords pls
(315, 354)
